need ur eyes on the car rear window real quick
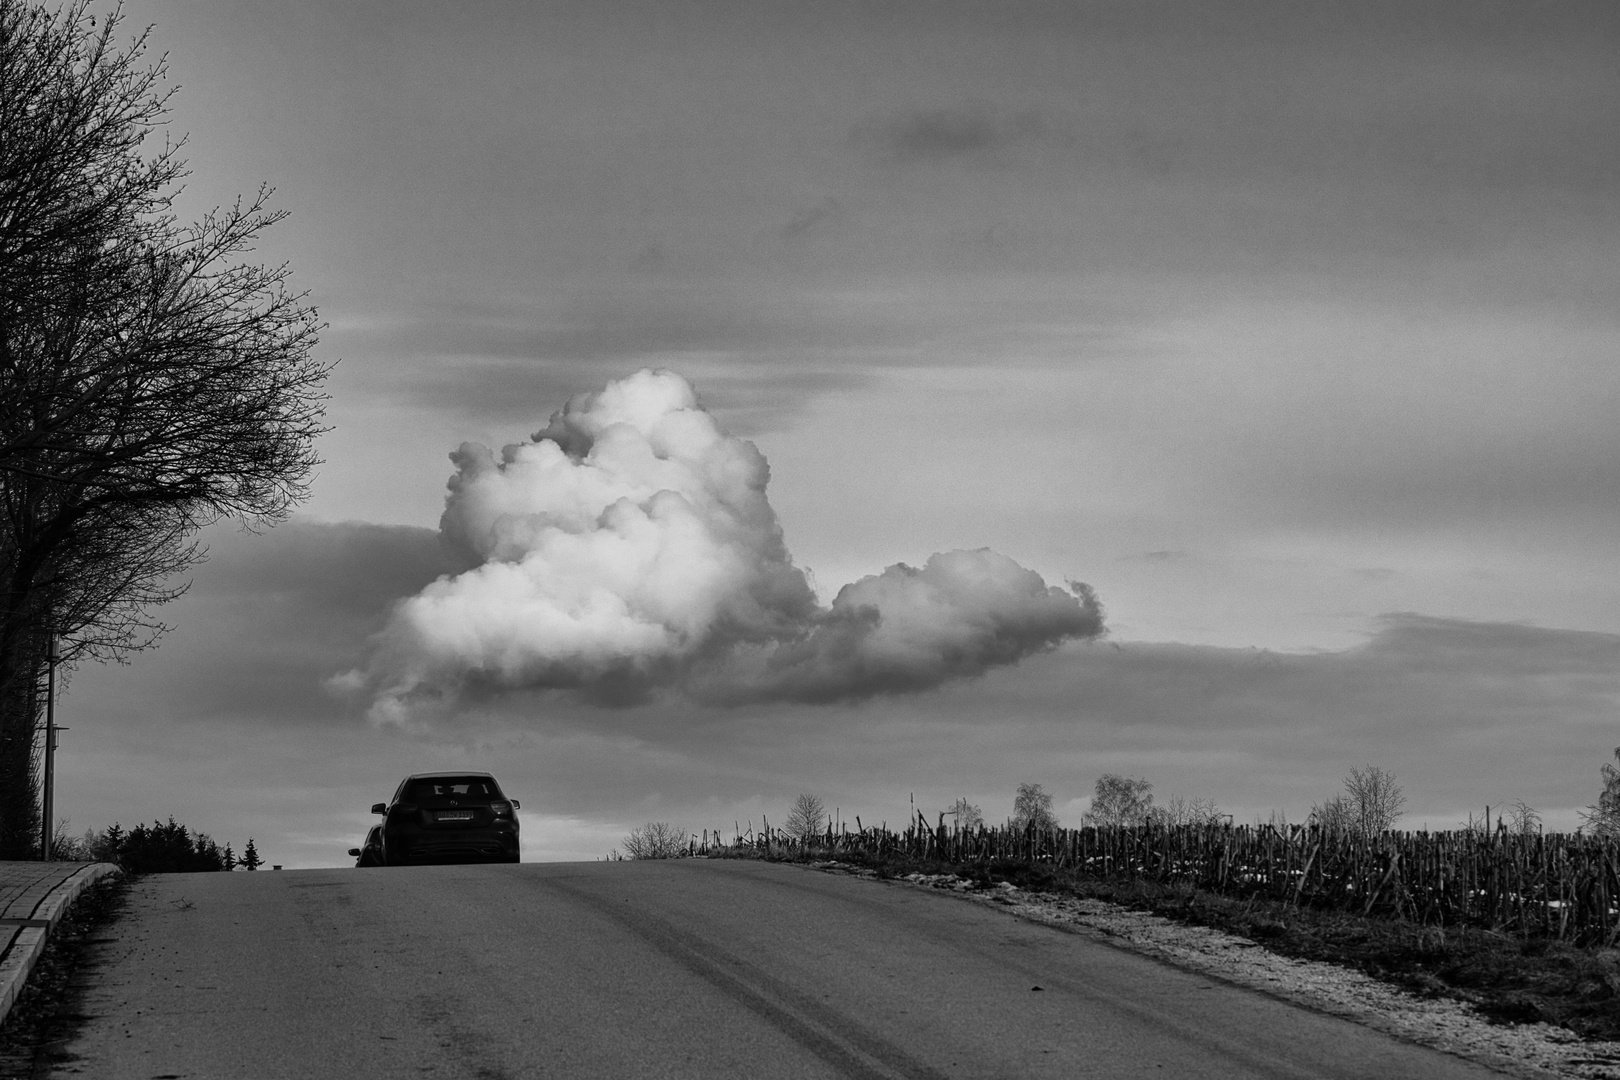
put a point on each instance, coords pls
(456, 787)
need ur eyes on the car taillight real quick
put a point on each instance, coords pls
(407, 807)
(501, 809)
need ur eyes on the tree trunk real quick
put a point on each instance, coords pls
(22, 705)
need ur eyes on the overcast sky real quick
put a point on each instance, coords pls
(1290, 329)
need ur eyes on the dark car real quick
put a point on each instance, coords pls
(448, 817)
(370, 852)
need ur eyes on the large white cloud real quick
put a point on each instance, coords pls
(629, 546)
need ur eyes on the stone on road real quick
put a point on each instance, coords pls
(689, 968)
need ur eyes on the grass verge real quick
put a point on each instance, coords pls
(1507, 979)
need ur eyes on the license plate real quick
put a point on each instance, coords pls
(453, 815)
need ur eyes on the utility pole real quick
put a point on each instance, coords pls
(52, 655)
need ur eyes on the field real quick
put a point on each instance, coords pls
(1524, 926)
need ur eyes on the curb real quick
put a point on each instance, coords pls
(28, 940)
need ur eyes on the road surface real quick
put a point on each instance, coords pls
(691, 968)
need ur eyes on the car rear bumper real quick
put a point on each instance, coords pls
(434, 845)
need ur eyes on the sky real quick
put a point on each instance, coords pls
(1290, 330)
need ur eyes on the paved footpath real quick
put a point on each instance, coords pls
(33, 898)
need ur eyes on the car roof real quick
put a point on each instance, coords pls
(436, 775)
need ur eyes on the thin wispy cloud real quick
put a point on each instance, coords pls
(1163, 555)
(822, 216)
(947, 134)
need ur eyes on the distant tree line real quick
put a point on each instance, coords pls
(1370, 803)
(160, 848)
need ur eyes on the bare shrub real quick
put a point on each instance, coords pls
(967, 816)
(807, 818)
(655, 840)
(65, 847)
(1334, 815)
(1522, 818)
(1179, 811)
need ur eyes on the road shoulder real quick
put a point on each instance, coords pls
(1529, 1050)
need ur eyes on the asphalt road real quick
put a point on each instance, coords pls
(693, 968)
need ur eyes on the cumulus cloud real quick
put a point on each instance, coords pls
(908, 629)
(629, 547)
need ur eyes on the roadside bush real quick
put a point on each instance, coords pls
(655, 840)
(68, 848)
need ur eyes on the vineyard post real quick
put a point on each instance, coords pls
(1305, 872)
(1603, 889)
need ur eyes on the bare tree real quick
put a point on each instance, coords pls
(967, 816)
(150, 383)
(1375, 798)
(1372, 802)
(1334, 815)
(1120, 800)
(655, 840)
(1032, 807)
(1603, 816)
(807, 818)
